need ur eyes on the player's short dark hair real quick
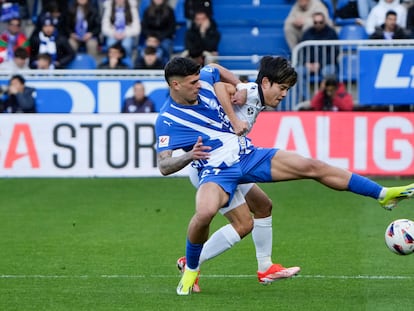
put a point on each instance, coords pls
(181, 67)
(277, 70)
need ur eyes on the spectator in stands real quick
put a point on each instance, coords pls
(196, 54)
(19, 62)
(357, 10)
(115, 58)
(96, 4)
(20, 98)
(120, 22)
(84, 27)
(44, 62)
(410, 21)
(10, 9)
(149, 60)
(11, 39)
(54, 10)
(62, 5)
(203, 35)
(139, 103)
(389, 30)
(159, 21)
(154, 42)
(193, 6)
(300, 19)
(332, 96)
(376, 16)
(318, 60)
(47, 40)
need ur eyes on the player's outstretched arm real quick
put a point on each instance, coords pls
(226, 91)
(226, 75)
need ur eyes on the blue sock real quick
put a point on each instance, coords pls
(362, 185)
(192, 254)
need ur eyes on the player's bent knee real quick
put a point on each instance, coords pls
(243, 228)
(313, 167)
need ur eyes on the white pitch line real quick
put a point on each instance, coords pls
(217, 276)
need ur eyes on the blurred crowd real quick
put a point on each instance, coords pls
(145, 34)
(113, 34)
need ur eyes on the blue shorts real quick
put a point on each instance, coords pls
(252, 167)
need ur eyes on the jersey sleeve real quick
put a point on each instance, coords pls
(210, 75)
(162, 134)
(173, 136)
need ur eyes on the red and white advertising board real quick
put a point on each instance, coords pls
(115, 145)
(367, 143)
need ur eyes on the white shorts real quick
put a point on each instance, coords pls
(239, 194)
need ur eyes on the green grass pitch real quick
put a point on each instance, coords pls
(112, 244)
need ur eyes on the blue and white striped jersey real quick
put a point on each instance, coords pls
(178, 126)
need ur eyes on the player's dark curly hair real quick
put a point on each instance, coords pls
(277, 70)
(181, 67)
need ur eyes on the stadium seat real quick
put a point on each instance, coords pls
(82, 61)
(252, 40)
(352, 32)
(344, 21)
(128, 61)
(242, 47)
(142, 7)
(180, 13)
(330, 7)
(245, 63)
(179, 39)
(158, 96)
(250, 2)
(35, 11)
(341, 3)
(349, 67)
(272, 15)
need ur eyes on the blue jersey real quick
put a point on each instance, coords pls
(178, 126)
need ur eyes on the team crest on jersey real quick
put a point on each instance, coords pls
(163, 141)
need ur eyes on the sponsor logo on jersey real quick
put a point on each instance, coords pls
(163, 141)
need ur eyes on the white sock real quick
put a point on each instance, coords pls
(220, 241)
(383, 193)
(262, 235)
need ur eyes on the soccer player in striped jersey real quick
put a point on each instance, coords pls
(242, 116)
(194, 121)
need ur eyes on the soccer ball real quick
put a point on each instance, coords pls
(399, 236)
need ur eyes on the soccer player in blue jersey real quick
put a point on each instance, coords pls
(194, 121)
(248, 197)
